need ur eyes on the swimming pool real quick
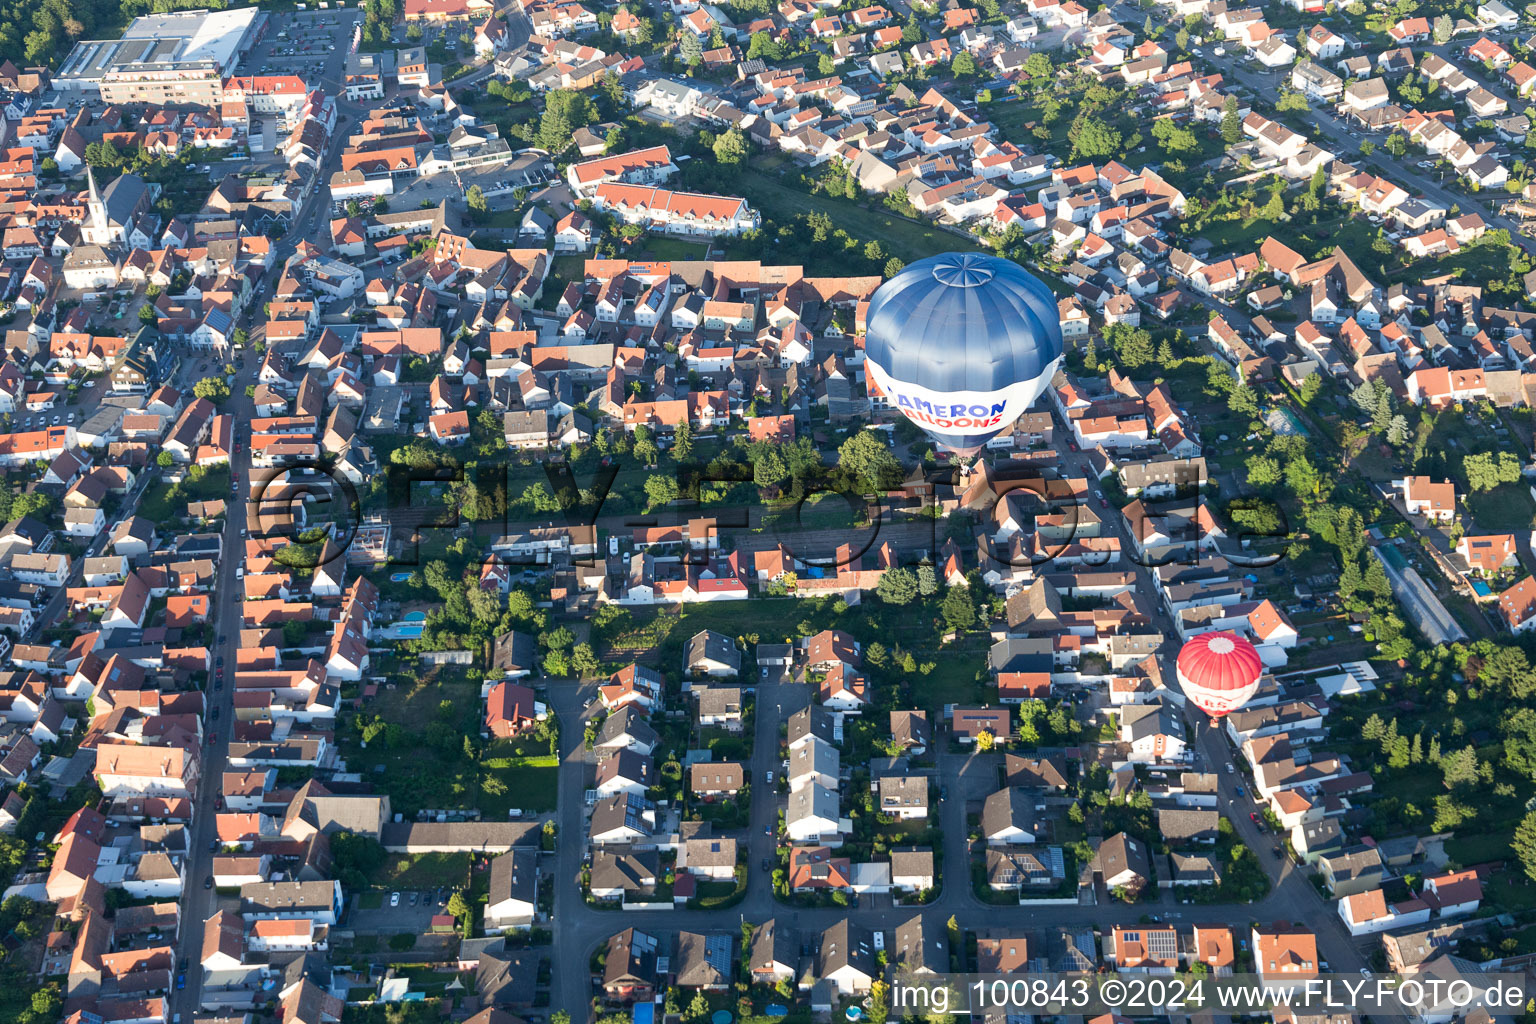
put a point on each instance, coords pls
(414, 617)
(399, 577)
(409, 632)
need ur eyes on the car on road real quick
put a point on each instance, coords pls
(1230, 768)
(215, 714)
(186, 962)
(768, 777)
(394, 899)
(208, 882)
(768, 830)
(767, 863)
(1253, 816)
(1365, 972)
(1241, 791)
(213, 846)
(181, 982)
(221, 665)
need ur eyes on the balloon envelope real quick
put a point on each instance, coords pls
(1219, 672)
(962, 344)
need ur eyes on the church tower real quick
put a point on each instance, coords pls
(100, 232)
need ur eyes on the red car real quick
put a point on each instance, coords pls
(1253, 816)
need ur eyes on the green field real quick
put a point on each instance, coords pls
(420, 759)
(897, 235)
(423, 871)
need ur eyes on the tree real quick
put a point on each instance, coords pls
(660, 490)
(690, 49)
(730, 147)
(893, 267)
(682, 443)
(698, 1009)
(927, 580)
(867, 460)
(958, 610)
(164, 460)
(1443, 28)
(1487, 470)
(1508, 670)
(584, 661)
(148, 314)
(879, 1002)
(1132, 345)
(765, 46)
(985, 741)
(355, 857)
(1524, 844)
(897, 586)
(479, 209)
(963, 65)
(1038, 66)
(1173, 138)
(214, 389)
(1459, 767)
(1093, 137)
(1263, 471)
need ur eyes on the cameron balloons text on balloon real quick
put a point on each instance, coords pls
(962, 344)
(1219, 672)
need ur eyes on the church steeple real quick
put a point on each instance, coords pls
(97, 209)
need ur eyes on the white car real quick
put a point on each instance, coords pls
(394, 899)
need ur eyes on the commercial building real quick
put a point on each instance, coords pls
(178, 58)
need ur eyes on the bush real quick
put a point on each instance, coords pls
(402, 941)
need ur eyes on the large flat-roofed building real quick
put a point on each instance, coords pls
(178, 58)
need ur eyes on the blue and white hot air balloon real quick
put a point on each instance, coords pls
(962, 344)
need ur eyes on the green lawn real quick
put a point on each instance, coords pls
(657, 248)
(420, 759)
(423, 871)
(163, 503)
(897, 235)
(1508, 507)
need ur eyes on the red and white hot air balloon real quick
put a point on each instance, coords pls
(1219, 672)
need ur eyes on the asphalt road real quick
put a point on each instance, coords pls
(198, 904)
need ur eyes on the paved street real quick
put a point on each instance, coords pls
(198, 904)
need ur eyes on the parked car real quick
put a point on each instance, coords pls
(394, 899)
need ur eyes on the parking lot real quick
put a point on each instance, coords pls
(311, 44)
(405, 917)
